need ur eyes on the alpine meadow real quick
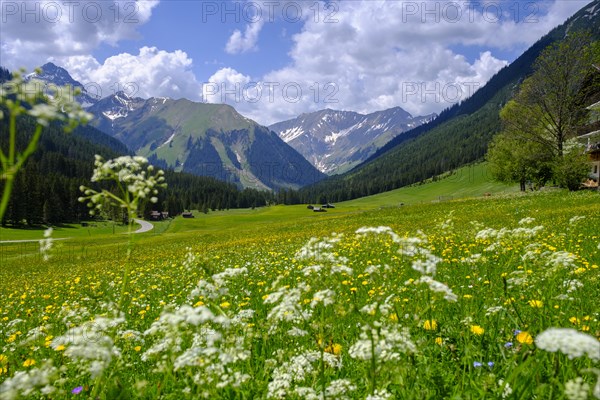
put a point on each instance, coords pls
(302, 210)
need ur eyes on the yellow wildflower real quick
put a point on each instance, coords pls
(477, 330)
(430, 325)
(524, 338)
(536, 303)
(225, 304)
(29, 362)
(334, 348)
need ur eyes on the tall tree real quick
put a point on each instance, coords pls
(546, 112)
(512, 161)
(549, 105)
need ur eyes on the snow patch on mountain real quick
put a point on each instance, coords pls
(291, 134)
(169, 140)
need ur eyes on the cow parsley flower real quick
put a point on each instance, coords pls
(506, 389)
(577, 389)
(135, 179)
(576, 219)
(46, 244)
(437, 287)
(526, 221)
(380, 394)
(570, 342)
(27, 383)
(383, 344)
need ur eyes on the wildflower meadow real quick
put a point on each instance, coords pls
(473, 299)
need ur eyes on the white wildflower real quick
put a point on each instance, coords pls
(27, 383)
(91, 344)
(437, 287)
(46, 244)
(526, 221)
(569, 342)
(327, 297)
(307, 271)
(133, 174)
(306, 393)
(339, 389)
(321, 249)
(297, 370)
(572, 285)
(596, 391)
(493, 310)
(576, 219)
(190, 259)
(380, 394)
(372, 269)
(286, 307)
(297, 332)
(342, 269)
(369, 309)
(561, 259)
(506, 389)
(222, 278)
(383, 344)
(577, 389)
(474, 258)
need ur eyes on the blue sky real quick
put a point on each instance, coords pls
(273, 60)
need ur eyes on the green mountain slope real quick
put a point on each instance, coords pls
(458, 136)
(204, 139)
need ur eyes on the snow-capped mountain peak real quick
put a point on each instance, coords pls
(53, 75)
(334, 141)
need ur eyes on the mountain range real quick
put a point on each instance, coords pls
(336, 141)
(215, 140)
(211, 140)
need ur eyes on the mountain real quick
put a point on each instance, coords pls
(335, 141)
(458, 136)
(54, 75)
(203, 139)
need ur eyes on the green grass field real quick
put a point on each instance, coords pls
(470, 181)
(436, 299)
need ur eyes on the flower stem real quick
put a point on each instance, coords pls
(125, 283)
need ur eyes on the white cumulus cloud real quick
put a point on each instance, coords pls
(373, 55)
(150, 73)
(34, 32)
(241, 43)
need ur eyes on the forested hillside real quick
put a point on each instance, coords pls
(460, 135)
